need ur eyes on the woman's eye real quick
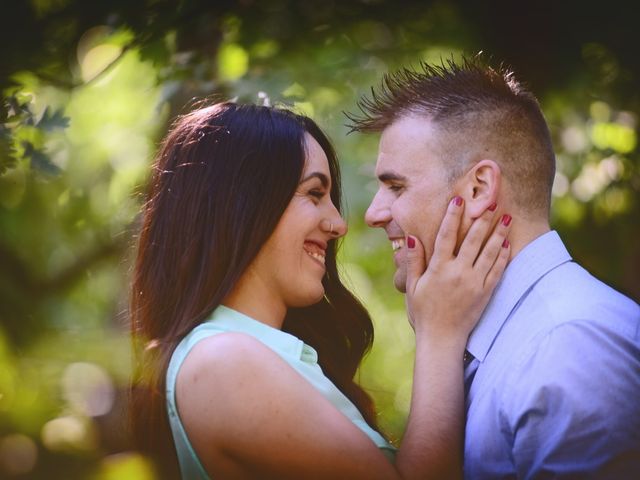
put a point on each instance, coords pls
(316, 194)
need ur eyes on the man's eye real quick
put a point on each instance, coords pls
(395, 188)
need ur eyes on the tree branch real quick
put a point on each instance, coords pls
(22, 275)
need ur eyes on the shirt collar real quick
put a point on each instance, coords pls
(231, 320)
(534, 261)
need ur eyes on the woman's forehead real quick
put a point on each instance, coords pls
(315, 158)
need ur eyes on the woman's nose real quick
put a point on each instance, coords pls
(335, 226)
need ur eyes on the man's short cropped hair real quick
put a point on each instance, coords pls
(482, 112)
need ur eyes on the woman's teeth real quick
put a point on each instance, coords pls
(317, 256)
(397, 244)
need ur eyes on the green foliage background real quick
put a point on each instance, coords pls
(88, 88)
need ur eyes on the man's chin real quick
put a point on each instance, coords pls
(400, 281)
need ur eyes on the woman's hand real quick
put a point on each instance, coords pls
(446, 301)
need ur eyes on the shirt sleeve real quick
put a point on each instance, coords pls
(572, 408)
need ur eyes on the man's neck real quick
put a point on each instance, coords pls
(522, 234)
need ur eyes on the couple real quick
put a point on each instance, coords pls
(248, 342)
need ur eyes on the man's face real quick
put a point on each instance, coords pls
(413, 191)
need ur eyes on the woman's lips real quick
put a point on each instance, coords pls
(315, 251)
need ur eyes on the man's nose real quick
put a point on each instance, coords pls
(378, 214)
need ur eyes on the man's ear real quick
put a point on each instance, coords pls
(480, 187)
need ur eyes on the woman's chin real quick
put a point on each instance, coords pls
(309, 298)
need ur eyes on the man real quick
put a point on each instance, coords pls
(553, 366)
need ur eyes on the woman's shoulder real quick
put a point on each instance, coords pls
(246, 409)
(221, 368)
(226, 352)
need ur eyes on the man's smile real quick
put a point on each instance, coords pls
(397, 243)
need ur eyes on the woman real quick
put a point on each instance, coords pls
(249, 341)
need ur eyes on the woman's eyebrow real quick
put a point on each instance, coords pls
(320, 176)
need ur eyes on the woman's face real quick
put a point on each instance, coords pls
(291, 263)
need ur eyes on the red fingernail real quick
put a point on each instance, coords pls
(506, 220)
(411, 242)
(492, 207)
(457, 200)
(505, 244)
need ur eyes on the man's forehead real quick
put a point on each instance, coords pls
(410, 125)
(407, 146)
(390, 166)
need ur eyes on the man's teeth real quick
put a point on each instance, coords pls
(397, 244)
(317, 256)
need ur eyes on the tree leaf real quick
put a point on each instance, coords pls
(7, 154)
(40, 161)
(156, 52)
(50, 122)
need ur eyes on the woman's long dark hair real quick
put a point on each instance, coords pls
(222, 179)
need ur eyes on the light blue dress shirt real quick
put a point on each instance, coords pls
(556, 393)
(292, 350)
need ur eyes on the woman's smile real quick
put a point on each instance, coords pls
(315, 250)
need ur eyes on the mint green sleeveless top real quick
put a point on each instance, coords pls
(292, 350)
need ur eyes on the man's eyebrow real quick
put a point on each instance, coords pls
(386, 177)
(319, 175)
